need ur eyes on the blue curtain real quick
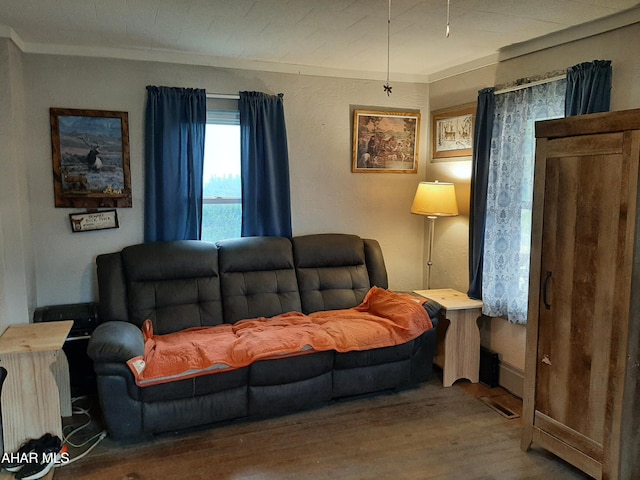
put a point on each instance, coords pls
(266, 197)
(174, 157)
(588, 88)
(507, 235)
(479, 182)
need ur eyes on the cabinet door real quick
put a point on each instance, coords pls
(584, 283)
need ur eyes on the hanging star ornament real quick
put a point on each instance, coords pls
(387, 88)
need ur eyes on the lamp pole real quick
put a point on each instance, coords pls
(429, 261)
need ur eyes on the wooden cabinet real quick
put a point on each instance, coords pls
(582, 388)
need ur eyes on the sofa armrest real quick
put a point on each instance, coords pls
(115, 342)
(433, 308)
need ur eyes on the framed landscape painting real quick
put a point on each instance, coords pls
(385, 142)
(453, 132)
(90, 154)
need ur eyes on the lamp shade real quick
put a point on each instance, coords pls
(435, 199)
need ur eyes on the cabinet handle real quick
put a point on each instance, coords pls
(547, 305)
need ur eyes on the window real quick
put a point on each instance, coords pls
(222, 203)
(505, 279)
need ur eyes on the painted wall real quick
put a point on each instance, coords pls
(17, 277)
(450, 258)
(326, 196)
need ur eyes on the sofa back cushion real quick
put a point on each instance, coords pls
(331, 270)
(174, 284)
(258, 277)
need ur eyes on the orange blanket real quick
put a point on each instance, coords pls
(383, 319)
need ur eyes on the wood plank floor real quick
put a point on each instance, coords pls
(429, 432)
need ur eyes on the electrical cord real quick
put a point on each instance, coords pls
(101, 436)
(97, 438)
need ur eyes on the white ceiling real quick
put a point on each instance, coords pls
(325, 37)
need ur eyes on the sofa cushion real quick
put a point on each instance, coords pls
(192, 387)
(194, 411)
(174, 284)
(290, 397)
(257, 277)
(374, 356)
(290, 369)
(371, 378)
(332, 271)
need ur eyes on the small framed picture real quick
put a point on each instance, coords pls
(90, 154)
(453, 132)
(85, 222)
(385, 142)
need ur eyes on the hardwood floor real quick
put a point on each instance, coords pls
(424, 433)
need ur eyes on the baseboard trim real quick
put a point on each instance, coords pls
(511, 378)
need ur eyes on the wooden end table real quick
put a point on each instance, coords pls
(458, 351)
(36, 392)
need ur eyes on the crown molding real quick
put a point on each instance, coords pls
(197, 59)
(8, 32)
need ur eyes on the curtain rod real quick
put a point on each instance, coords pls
(228, 96)
(530, 84)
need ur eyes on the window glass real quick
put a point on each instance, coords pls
(222, 204)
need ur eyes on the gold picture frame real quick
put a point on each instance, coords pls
(385, 142)
(90, 155)
(452, 132)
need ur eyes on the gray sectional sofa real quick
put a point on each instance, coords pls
(186, 284)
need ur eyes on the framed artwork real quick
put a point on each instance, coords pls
(385, 142)
(453, 132)
(90, 153)
(86, 222)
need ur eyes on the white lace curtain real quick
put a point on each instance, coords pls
(505, 279)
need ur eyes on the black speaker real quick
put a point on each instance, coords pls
(85, 320)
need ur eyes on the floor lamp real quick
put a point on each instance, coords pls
(433, 200)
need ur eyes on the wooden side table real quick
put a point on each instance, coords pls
(36, 392)
(458, 339)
